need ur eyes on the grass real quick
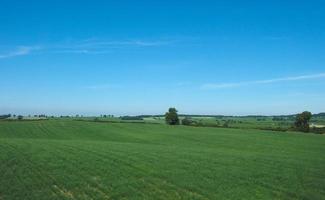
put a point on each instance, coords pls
(66, 159)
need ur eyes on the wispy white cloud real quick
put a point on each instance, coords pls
(79, 51)
(20, 51)
(95, 46)
(89, 46)
(126, 43)
(210, 86)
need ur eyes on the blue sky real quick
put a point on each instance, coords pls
(141, 57)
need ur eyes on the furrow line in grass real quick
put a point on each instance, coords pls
(4, 167)
(35, 169)
(144, 172)
(21, 162)
(112, 155)
(4, 162)
(80, 172)
(44, 128)
(104, 158)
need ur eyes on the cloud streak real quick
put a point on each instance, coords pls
(112, 44)
(90, 46)
(212, 86)
(20, 51)
(103, 47)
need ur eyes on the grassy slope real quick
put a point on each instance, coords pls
(84, 160)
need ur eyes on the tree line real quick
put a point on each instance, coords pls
(301, 123)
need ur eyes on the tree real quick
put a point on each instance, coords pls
(187, 121)
(5, 116)
(20, 117)
(302, 121)
(226, 124)
(171, 117)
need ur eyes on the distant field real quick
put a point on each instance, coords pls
(67, 159)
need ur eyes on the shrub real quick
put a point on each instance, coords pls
(187, 121)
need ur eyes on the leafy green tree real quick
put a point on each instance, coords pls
(302, 121)
(187, 121)
(226, 124)
(20, 117)
(171, 117)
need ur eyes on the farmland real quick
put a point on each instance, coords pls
(68, 159)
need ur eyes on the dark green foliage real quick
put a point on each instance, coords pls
(5, 116)
(302, 121)
(226, 124)
(276, 118)
(20, 117)
(131, 118)
(171, 117)
(319, 115)
(317, 130)
(187, 121)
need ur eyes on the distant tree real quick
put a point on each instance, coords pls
(226, 124)
(302, 121)
(217, 122)
(131, 118)
(20, 117)
(187, 121)
(5, 116)
(171, 117)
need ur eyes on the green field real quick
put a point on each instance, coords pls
(66, 159)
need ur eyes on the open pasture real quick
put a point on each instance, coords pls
(66, 159)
